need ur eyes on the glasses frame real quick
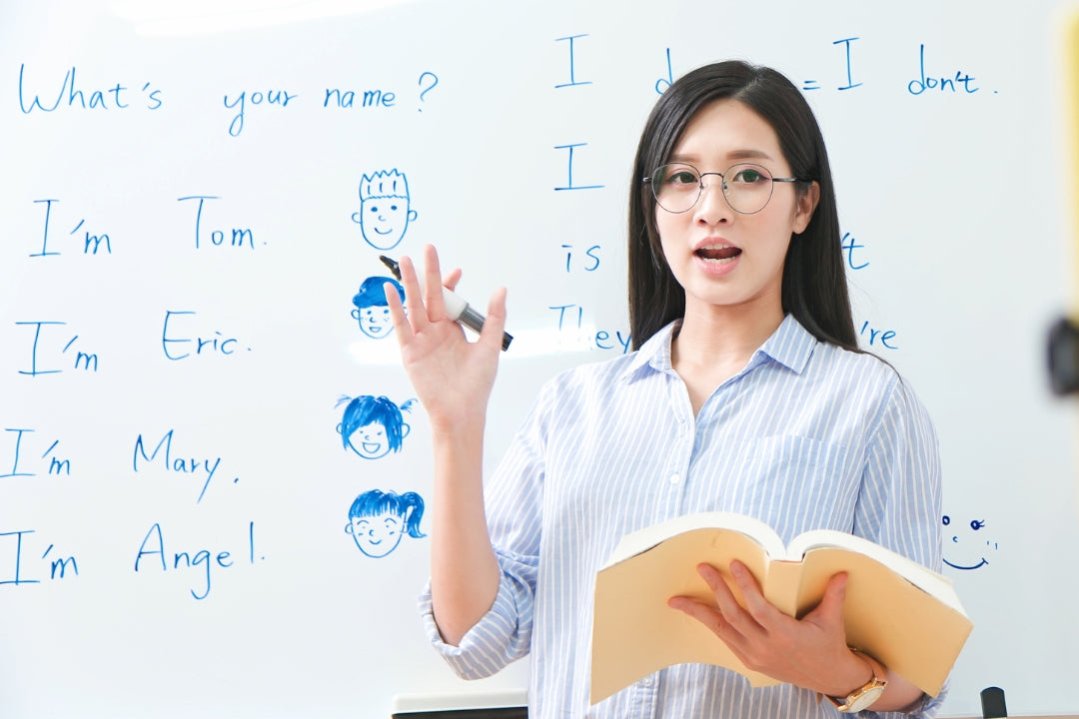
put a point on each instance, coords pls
(723, 185)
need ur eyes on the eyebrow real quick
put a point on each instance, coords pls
(741, 154)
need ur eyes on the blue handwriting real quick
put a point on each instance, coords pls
(257, 97)
(111, 98)
(571, 317)
(85, 361)
(569, 171)
(238, 237)
(886, 338)
(57, 465)
(153, 544)
(923, 83)
(573, 81)
(216, 344)
(202, 466)
(591, 264)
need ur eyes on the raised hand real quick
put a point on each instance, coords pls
(452, 376)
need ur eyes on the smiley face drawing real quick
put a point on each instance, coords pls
(372, 427)
(385, 209)
(378, 520)
(965, 547)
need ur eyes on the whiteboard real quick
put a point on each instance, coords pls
(194, 194)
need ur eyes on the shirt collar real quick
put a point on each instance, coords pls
(791, 345)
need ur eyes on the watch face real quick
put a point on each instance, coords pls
(866, 698)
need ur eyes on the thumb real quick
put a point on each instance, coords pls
(830, 609)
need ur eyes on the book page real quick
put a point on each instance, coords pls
(909, 630)
(929, 581)
(636, 542)
(635, 633)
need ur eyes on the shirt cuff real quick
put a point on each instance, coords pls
(488, 646)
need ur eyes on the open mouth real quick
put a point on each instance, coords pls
(718, 255)
(371, 448)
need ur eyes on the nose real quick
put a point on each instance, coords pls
(712, 207)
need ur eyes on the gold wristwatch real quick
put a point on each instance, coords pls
(864, 696)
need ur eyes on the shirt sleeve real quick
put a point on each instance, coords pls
(899, 506)
(513, 499)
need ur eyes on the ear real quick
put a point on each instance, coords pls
(807, 204)
(348, 528)
(405, 429)
(412, 215)
(356, 314)
(356, 217)
(338, 428)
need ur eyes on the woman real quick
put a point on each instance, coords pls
(745, 393)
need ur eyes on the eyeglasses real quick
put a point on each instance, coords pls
(677, 187)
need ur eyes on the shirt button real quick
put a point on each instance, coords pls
(675, 478)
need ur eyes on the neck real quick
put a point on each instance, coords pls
(712, 336)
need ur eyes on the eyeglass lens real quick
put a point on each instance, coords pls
(747, 187)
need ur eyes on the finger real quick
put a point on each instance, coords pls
(451, 280)
(762, 611)
(737, 617)
(397, 314)
(713, 621)
(830, 610)
(495, 322)
(417, 313)
(432, 285)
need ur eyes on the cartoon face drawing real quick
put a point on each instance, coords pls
(378, 520)
(965, 546)
(372, 311)
(372, 427)
(385, 209)
(370, 441)
(376, 535)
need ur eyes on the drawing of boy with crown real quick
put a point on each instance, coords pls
(384, 209)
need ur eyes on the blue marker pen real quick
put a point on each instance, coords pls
(456, 307)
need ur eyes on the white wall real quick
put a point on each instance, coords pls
(954, 196)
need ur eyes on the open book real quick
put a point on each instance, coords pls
(903, 614)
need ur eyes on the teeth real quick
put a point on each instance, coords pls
(719, 260)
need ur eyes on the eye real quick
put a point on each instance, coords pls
(749, 176)
(678, 176)
(977, 523)
(947, 520)
(393, 208)
(374, 208)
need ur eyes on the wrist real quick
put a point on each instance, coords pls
(864, 695)
(850, 672)
(453, 427)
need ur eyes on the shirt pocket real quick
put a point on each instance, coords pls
(799, 483)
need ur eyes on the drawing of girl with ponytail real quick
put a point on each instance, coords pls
(377, 520)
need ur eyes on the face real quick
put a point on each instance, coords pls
(723, 259)
(376, 535)
(966, 544)
(370, 441)
(383, 221)
(375, 322)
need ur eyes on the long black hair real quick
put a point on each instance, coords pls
(814, 286)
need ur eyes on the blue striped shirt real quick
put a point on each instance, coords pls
(806, 436)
